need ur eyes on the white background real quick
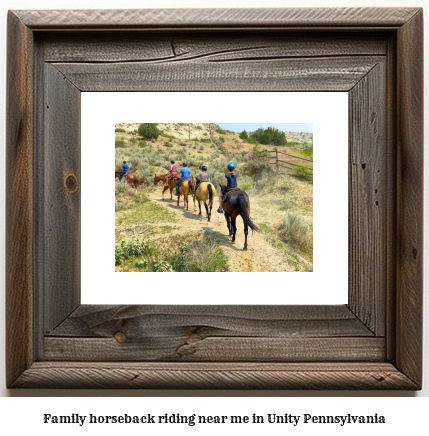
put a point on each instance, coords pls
(328, 284)
(406, 415)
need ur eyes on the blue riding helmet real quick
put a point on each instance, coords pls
(231, 166)
(124, 161)
(204, 168)
(172, 161)
(185, 164)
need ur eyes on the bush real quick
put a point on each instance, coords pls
(124, 189)
(200, 256)
(132, 249)
(120, 130)
(142, 144)
(221, 131)
(303, 172)
(221, 139)
(120, 142)
(149, 131)
(244, 136)
(286, 204)
(160, 265)
(294, 228)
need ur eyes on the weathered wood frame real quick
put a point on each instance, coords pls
(374, 342)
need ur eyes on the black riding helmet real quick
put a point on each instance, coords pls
(204, 168)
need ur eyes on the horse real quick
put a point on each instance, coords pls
(205, 193)
(132, 179)
(117, 174)
(184, 190)
(171, 183)
(237, 203)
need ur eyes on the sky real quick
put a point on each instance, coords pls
(285, 127)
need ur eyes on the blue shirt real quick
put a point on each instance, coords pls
(185, 172)
(125, 168)
(232, 181)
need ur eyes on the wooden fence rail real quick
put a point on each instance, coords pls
(278, 162)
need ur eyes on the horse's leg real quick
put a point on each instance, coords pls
(207, 211)
(163, 190)
(228, 223)
(210, 213)
(178, 198)
(234, 228)
(199, 206)
(246, 231)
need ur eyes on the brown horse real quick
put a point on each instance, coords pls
(171, 183)
(132, 179)
(184, 190)
(237, 203)
(117, 174)
(205, 193)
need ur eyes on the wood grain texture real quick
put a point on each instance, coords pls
(61, 168)
(194, 18)
(368, 202)
(410, 199)
(19, 200)
(200, 47)
(178, 347)
(215, 376)
(325, 74)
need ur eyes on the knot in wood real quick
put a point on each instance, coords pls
(71, 183)
(120, 337)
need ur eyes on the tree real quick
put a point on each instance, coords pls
(244, 136)
(149, 130)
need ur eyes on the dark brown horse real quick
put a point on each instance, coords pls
(237, 203)
(171, 183)
(132, 179)
(117, 174)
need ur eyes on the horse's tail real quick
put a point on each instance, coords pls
(209, 187)
(243, 212)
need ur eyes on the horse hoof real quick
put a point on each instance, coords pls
(245, 248)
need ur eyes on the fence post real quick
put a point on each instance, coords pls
(277, 161)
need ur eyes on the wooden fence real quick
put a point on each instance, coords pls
(287, 163)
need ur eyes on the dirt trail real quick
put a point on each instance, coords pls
(259, 256)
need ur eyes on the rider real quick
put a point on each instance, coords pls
(125, 170)
(172, 171)
(230, 182)
(204, 177)
(185, 172)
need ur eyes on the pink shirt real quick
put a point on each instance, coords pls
(173, 168)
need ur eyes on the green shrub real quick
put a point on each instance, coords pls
(165, 135)
(149, 131)
(205, 139)
(120, 142)
(286, 204)
(221, 131)
(142, 143)
(120, 130)
(294, 228)
(200, 256)
(308, 152)
(124, 189)
(221, 139)
(133, 140)
(131, 250)
(246, 186)
(160, 265)
(303, 172)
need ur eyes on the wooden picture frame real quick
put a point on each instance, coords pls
(373, 342)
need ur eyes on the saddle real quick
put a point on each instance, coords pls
(227, 192)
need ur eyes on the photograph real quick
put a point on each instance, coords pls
(213, 197)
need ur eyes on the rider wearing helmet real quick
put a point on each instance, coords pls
(125, 170)
(230, 182)
(204, 177)
(171, 173)
(185, 172)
